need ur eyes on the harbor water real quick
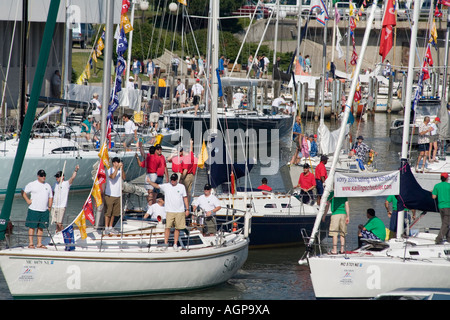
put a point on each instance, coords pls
(274, 273)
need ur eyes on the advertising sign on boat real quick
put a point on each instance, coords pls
(367, 185)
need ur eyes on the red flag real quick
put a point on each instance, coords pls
(445, 3)
(125, 6)
(108, 134)
(232, 183)
(426, 74)
(357, 96)
(389, 21)
(437, 13)
(428, 56)
(101, 174)
(88, 210)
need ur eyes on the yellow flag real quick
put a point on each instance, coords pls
(351, 9)
(433, 38)
(104, 156)
(183, 2)
(94, 56)
(126, 24)
(87, 71)
(158, 139)
(97, 193)
(81, 223)
(81, 78)
(100, 44)
(203, 156)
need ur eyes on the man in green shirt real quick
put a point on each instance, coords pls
(373, 229)
(340, 217)
(441, 191)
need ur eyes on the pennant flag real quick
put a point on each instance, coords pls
(101, 174)
(387, 39)
(126, 24)
(104, 156)
(445, 2)
(339, 50)
(357, 96)
(183, 2)
(351, 8)
(203, 156)
(69, 238)
(81, 223)
(94, 55)
(97, 193)
(428, 56)
(437, 13)
(337, 15)
(426, 74)
(321, 11)
(125, 6)
(433, 34)
(89, 211)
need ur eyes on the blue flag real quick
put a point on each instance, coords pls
(122, 44)
(69, 238)
(220, 83)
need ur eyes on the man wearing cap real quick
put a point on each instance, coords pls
(157, 211)
(321, 175)
(39, 205)
(161, 166)
(96, 112)
(433, 140)
(176, 205)
(155, 107)
(60, 196)
(113, 192)
(441, 191)
(306, 183)
(210, 205)
(197, 94)
(86, 127)
(360, 149)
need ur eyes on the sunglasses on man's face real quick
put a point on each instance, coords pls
(42, 175)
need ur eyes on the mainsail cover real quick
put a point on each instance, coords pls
(412, 195)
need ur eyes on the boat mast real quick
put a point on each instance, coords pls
(214, 63)
(23, 64)
(329, 182)
(109, 36)
(44, 53)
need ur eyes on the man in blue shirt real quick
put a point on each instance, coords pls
(221, 67)
(297, 137)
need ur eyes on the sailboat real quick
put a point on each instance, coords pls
(380, 266)
(81, 262)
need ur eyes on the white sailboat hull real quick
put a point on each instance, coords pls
(365, 277)
(119, 268)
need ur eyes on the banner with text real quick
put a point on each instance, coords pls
(367, 185)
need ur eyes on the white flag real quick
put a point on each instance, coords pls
(318, 8)
(339, 50)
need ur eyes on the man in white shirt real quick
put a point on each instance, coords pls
(113, 192)
(60, 196)
(276, 103)
(130, 132)
(176, 203)
(181, 94)
(157, 211)
(238, 97)
(210, 205)
(197, 94)
(96, 113)
(39, 204)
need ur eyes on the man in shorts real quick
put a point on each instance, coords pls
(130, 132)
(340, 217)
(113, 191)
(176, 205)
(39, 204)
(155, 107)
(197, 94)
(181, 94)
(60, 196)
(423, 141)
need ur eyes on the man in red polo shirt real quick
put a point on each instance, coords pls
(321, 175)
(188, 169)
(161, 167)
(150, 164)
(264, 186)
(306, 183)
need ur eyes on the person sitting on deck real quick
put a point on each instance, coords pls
(373, 229)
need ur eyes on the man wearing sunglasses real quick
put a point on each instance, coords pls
(39, 205)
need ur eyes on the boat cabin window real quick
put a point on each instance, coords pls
(65, 149)
(426, 109)
(286, 205)
(270, 205)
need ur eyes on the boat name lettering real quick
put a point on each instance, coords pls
(74, 280)
(230, 264)
(351, 264)
(39, 261)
